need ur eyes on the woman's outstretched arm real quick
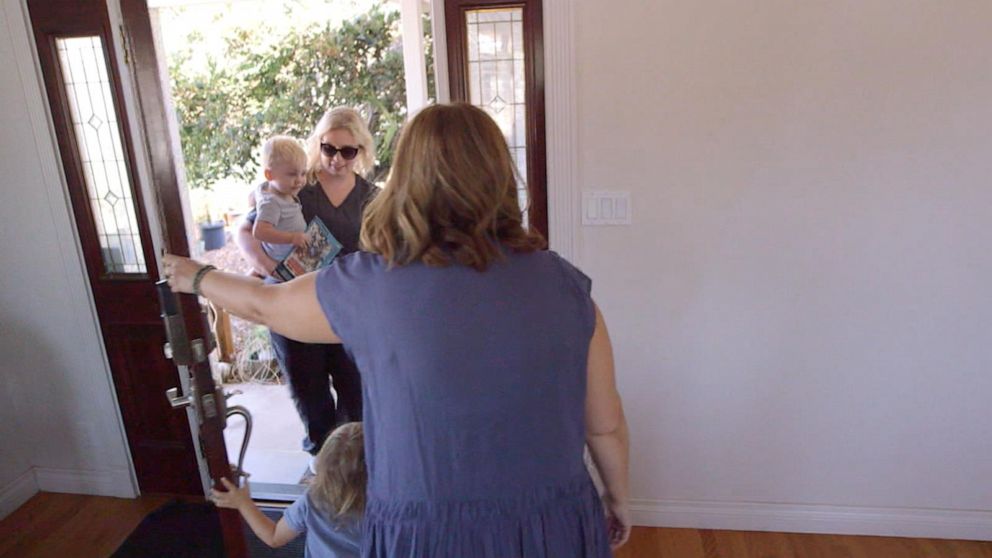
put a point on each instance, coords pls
(606, 432)
(290, 309)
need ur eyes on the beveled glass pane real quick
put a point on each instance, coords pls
(488, 81)
(524, 200)
(488, 16)
(520, 127)
(504, 118)
(473, 79)
(519, 82)
(473, 41)
(487, 41)
(503, 40)
(518, 40)
(101, 151)
(511, 133)
(504, 85)
(497, 82)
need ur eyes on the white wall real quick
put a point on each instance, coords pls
(60, 426)
(801, 308)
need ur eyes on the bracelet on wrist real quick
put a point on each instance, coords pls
(198, 278)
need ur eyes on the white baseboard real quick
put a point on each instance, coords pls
(797, 518)
(16, 493)
(114, 482)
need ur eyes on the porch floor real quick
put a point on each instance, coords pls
(274, 452)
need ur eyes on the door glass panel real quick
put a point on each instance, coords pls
(496, 78)
(98, 139)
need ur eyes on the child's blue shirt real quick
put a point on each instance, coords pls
(326, 536)
(284, 214)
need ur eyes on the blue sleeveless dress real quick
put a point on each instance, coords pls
(474, 386)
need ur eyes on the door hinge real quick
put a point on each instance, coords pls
(125, 45)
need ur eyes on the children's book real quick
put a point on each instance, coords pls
(319, 252)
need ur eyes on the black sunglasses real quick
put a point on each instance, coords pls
(347, 153)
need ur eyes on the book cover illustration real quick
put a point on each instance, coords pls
(320, 250)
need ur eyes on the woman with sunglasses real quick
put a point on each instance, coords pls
(339, 151)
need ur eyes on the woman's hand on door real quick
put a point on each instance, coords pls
(180, 272)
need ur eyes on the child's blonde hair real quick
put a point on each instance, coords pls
(339, 487)
(282, 149)
(341, 118)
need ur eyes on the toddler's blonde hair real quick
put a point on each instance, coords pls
(339, 487)
(282, 149)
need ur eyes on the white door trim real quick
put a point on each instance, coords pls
(561, 127)
(414, 65)
(560, 116)
(440, 39)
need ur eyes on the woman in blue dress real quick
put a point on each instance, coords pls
(487, 367)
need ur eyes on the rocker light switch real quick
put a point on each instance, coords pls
(605, 208)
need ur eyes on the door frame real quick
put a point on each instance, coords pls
(561, 129)
(560, 118)
(534, 94)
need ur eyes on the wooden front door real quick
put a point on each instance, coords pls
(83, 83)
(81, 78)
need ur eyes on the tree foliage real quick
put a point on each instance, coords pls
(265, 87)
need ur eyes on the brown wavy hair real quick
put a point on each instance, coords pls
(451, 195)
(338, 489)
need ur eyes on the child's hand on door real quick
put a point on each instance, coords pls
(236, 497)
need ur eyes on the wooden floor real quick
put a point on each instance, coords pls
(695, 543)
(65, 525)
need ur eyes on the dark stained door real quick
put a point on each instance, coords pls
(74, 47)
(83, 84)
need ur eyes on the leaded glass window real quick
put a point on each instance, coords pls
(497, 80)
(94, 121)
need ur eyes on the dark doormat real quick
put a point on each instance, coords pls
(192, 530)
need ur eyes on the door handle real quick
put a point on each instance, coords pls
(239, 469)
(178, 401)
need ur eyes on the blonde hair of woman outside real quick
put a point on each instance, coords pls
(341, 118)
(451, 194)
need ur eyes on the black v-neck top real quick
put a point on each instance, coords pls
(344, 221)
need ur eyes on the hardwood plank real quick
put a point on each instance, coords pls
(693, 543)
(62, 525)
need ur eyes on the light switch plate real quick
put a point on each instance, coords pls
(604, 207)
